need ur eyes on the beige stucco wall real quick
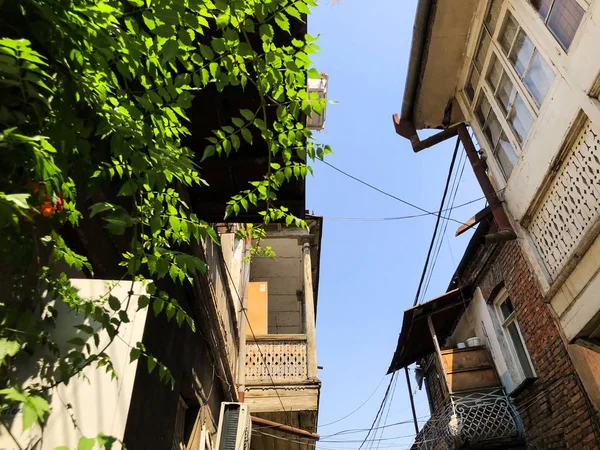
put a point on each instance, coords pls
(284, 275)
(99, 403)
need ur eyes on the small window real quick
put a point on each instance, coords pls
(503, 150)
(483, 47)
(530, 66)
(512, 334)
(562, 17)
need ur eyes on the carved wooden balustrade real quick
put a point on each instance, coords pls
(278, 358)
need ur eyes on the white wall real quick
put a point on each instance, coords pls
(99, 404)
(576, 74)
(479, 320)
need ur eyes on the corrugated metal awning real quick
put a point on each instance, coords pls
(415, 340)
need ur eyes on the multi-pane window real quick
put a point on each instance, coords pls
(507, 83)
(512, 333)
(487, 31)
(562, 17)
(503, 151)
(530, 66)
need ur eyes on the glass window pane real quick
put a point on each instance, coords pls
(482, 109)
(542, 7)
(521, 52)
(492, 129)
(482, 51)
(492, 16)
(472, 83)
(564, 20)
(506, 155)
(495, 73)
(507, 35)
(519, 347)
(520, 119)
(506, 93)
(539, 78)
(506, 308)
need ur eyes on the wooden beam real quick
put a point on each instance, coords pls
(412, 402)
(473, 220)
(285, 428)
(438, 352)
(309, 313)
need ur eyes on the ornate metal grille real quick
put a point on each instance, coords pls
(475, 418)
(571, 205)
(285, 360)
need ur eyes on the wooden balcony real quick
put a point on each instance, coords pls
(281, 381)
(279, 389)
(277, 374)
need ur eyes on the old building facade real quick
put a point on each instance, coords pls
(272, 369)
(524, 75)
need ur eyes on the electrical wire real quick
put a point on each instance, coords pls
(388, 194)
(437, 222)
(359, 407)
(442, 235)
(381, 406)
(382, 219)
(255, 340)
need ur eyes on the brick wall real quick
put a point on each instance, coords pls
(553, 408)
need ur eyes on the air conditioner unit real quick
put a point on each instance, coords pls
(235, 427)
(319, 85)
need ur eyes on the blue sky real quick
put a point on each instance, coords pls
(370, 270)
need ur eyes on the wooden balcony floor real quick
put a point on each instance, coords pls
(265, 438)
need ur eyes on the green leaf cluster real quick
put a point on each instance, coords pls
(95, 111)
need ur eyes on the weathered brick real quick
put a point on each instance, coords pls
(553, 409)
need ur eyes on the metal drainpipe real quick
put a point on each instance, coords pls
(506, 231)
(408, 130)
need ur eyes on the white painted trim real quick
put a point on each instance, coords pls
(504, 324)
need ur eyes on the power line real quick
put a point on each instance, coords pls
(437, 222)
(359, 407)
(388, 194)
(379, 411)
(441, 236)
(255, 340)
(382, 219)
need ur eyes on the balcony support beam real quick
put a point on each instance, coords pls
(284, 428)
(309, 312)
(438, 353)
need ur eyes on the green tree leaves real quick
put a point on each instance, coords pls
(94, 112)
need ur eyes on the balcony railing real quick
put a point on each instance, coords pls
(282, 357)
(469, 420)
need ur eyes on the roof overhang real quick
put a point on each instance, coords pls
(415, 340)
(440, 37)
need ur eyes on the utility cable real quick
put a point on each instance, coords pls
(442, 235)
(382, 219)
(359, 407)
(255, 340)
(437, 222)
(388, 194)
(381, 406)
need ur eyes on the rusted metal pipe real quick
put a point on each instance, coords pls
(285, 428)
(486, 186)
(407, 130)
(473, 220)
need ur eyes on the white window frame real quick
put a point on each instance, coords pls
(504, 324)
(484, 88)
(584, 5)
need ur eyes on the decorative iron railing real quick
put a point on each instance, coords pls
(280, 357)
(472, 419)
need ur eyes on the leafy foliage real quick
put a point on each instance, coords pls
(95, 98)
